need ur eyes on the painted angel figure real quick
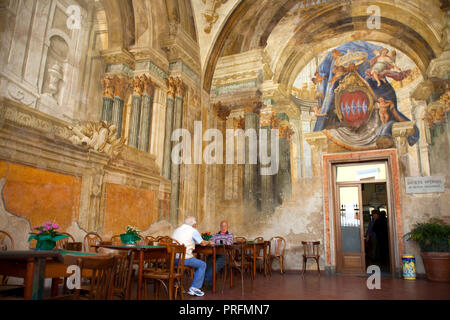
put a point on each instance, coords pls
(383, 65)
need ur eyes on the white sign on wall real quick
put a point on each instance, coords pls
(424, 184)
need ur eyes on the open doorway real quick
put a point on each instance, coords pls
(376, 225)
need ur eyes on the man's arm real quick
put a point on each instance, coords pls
(198, 238)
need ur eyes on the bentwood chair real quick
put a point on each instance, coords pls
(238, 262)
(311, 251)
(101, 272)
(164, 240)
(115, 240)
(150, 240)
(123, 275)
(91, 239)
(262, 254)
(240, 239)
(277, 248)
(167, 273)
(61, 244)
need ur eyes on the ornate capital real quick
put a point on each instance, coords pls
(400, 132)
(121, 86)
(221, 111)
(138, 86)
(254, 108)
(179, 87)
(285, 131)
(435, 112)
(108, 87)
(148, 85)
(171, 85)
(239, 123)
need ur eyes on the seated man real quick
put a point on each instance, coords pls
(189, 236)
(222, 237)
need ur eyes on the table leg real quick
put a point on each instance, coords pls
(140, 272)
(254, 261)
(55, 283)
(28, 281)
(214, 270)
(38, 279)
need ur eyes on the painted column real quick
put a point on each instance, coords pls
(108, 98)
(146, 115)
(121, 86)
(175, 168)
(133, 133)
(251, 119)
(167, 162)
(283, 181)
(268, 121)
(158, 123)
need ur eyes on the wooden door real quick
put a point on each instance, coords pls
(349, 228)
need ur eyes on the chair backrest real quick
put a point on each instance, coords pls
(176, 252)
(259, 239)
(116, 239)
(123, 274)
(164, 240)
(311, 248)
(90, 240)
(102, 276)
(240, 239)
(6, 241)
(277, 245)
(61, 244)
(150, 240)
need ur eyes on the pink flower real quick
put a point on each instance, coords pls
(55, 226)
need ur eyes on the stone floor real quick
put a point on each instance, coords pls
(291, 286)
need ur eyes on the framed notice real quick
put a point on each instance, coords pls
(429, 184)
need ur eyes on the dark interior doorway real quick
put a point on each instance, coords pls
(376, 226)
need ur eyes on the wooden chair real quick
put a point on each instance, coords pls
(167, 271)
(166, 240)
(311, 251)
(240, 239)
(123, 275)
(6, 243)
(238, 262)
(149, 240)
(277, 248)
(262, 255)
(115, 240)
(90, 240)
(61, 244)
(101, 270)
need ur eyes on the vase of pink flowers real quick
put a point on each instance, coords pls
(46, 236)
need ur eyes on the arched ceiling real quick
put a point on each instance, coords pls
(288, 33)
(291, 35)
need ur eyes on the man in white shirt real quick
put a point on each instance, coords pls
(189, 236)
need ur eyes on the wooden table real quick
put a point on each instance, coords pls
(213, 250)
(36, 265)
(142, 252)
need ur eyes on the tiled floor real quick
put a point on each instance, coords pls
(337, 287)
(291, 286)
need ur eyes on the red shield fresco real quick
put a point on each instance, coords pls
(354, 107)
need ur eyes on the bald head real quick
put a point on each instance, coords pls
(224, 226)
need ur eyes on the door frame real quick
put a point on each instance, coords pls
(393, 201)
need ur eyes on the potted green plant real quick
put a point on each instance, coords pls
(130, 236)
(433, 238)
(206, 236)
(46, 236)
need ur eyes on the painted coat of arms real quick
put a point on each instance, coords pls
(358, 105)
